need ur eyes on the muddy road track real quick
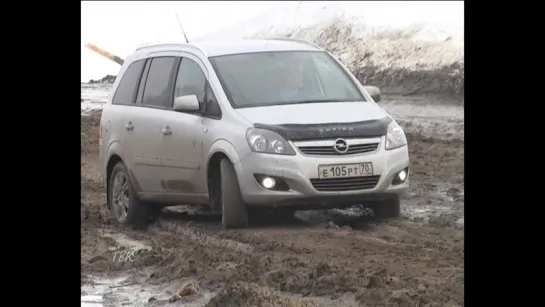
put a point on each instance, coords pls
(319, 258)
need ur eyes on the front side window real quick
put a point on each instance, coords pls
(283, 77)
(191, 80)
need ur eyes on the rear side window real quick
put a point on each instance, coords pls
(156, 92)
(126, 90)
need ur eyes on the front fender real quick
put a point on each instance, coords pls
(226, 148)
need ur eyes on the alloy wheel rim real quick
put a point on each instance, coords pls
(120, 196)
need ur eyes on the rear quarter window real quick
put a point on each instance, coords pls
(126, 90)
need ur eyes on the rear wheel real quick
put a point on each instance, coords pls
(389, 208)
(124, 205)
(234, 211)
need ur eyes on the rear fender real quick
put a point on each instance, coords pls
(116, 149)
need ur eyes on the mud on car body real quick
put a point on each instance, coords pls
(239, 125)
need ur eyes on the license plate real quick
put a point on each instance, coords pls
(345, 170)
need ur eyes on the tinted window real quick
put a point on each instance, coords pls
(156, 92)
(212, 107)
(190, 80)
(283, 77)
(127, 86)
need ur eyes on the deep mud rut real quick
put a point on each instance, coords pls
(320, 258)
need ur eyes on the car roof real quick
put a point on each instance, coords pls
(219, 48)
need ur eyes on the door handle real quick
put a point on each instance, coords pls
(166, 131)
(129, 126)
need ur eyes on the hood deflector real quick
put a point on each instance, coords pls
(363, 129)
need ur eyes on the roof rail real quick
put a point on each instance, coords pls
(161, 44)
(171, 44)
(289, 39)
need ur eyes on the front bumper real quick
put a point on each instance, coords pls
(297, 171)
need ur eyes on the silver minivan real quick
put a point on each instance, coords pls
(245, 125)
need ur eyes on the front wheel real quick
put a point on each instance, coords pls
(124, 205)
(234, 212)
(390, 208)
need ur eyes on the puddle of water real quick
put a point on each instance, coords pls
(104, 291)
(440, 191)
(460, 222)
(94, 96)
(125, 241)
(325, 216)
(453, 194)
(352, 211)
(424, 212)
(91, 301)
(408, 210)
(87, 106)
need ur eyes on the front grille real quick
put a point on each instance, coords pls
(329, 151)
(345, 184)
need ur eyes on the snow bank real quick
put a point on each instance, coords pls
(403, 47)
(392, 59)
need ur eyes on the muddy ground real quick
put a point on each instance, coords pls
(320, 258)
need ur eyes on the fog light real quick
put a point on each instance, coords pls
(271, 183)
(402, 175)
(268, 182)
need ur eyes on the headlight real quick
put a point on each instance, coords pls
(266, 141)
(395, 137)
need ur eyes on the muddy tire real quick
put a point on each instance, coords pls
(389, 208)
(125, 207)
(234, 212)
(154, 212)
(283, 214)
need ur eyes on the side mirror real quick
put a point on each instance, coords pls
(187, 103)
(374, 92)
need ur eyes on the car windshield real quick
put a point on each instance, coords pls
(283, 77)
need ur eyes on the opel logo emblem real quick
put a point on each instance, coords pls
(340, 146)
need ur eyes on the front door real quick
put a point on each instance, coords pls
(183, 146)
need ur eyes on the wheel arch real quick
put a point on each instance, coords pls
(114, 157)
(219, 150)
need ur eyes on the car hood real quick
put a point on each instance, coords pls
(313, 113)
